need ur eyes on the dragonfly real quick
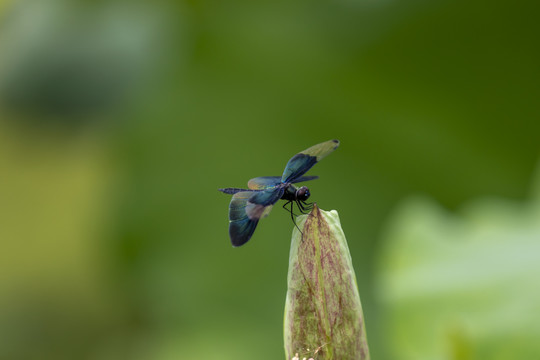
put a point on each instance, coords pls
(249, 205)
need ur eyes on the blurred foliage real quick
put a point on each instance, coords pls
(119, 120)
(462, 286)
(68, 61)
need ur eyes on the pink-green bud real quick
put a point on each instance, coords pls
(323, 314)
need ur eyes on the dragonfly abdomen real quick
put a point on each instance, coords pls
(233, 191)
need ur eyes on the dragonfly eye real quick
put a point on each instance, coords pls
(302, 193)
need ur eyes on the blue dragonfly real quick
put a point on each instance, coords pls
(249, 205)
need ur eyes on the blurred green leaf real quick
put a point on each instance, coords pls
(462, 286)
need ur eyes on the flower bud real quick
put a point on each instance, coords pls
(323, 314)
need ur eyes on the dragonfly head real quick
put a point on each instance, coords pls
(302, 194)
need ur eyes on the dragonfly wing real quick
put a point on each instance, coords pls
(245, 211)
(304, 178)
(300, 163)
(264, 182)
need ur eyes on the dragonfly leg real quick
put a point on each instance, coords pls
(308, 206)
(304, 208)
(294, 219)
(292, 209)
(287, 203)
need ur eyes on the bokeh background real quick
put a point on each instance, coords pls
(120, 119)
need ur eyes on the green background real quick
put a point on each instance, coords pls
(120, 120)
